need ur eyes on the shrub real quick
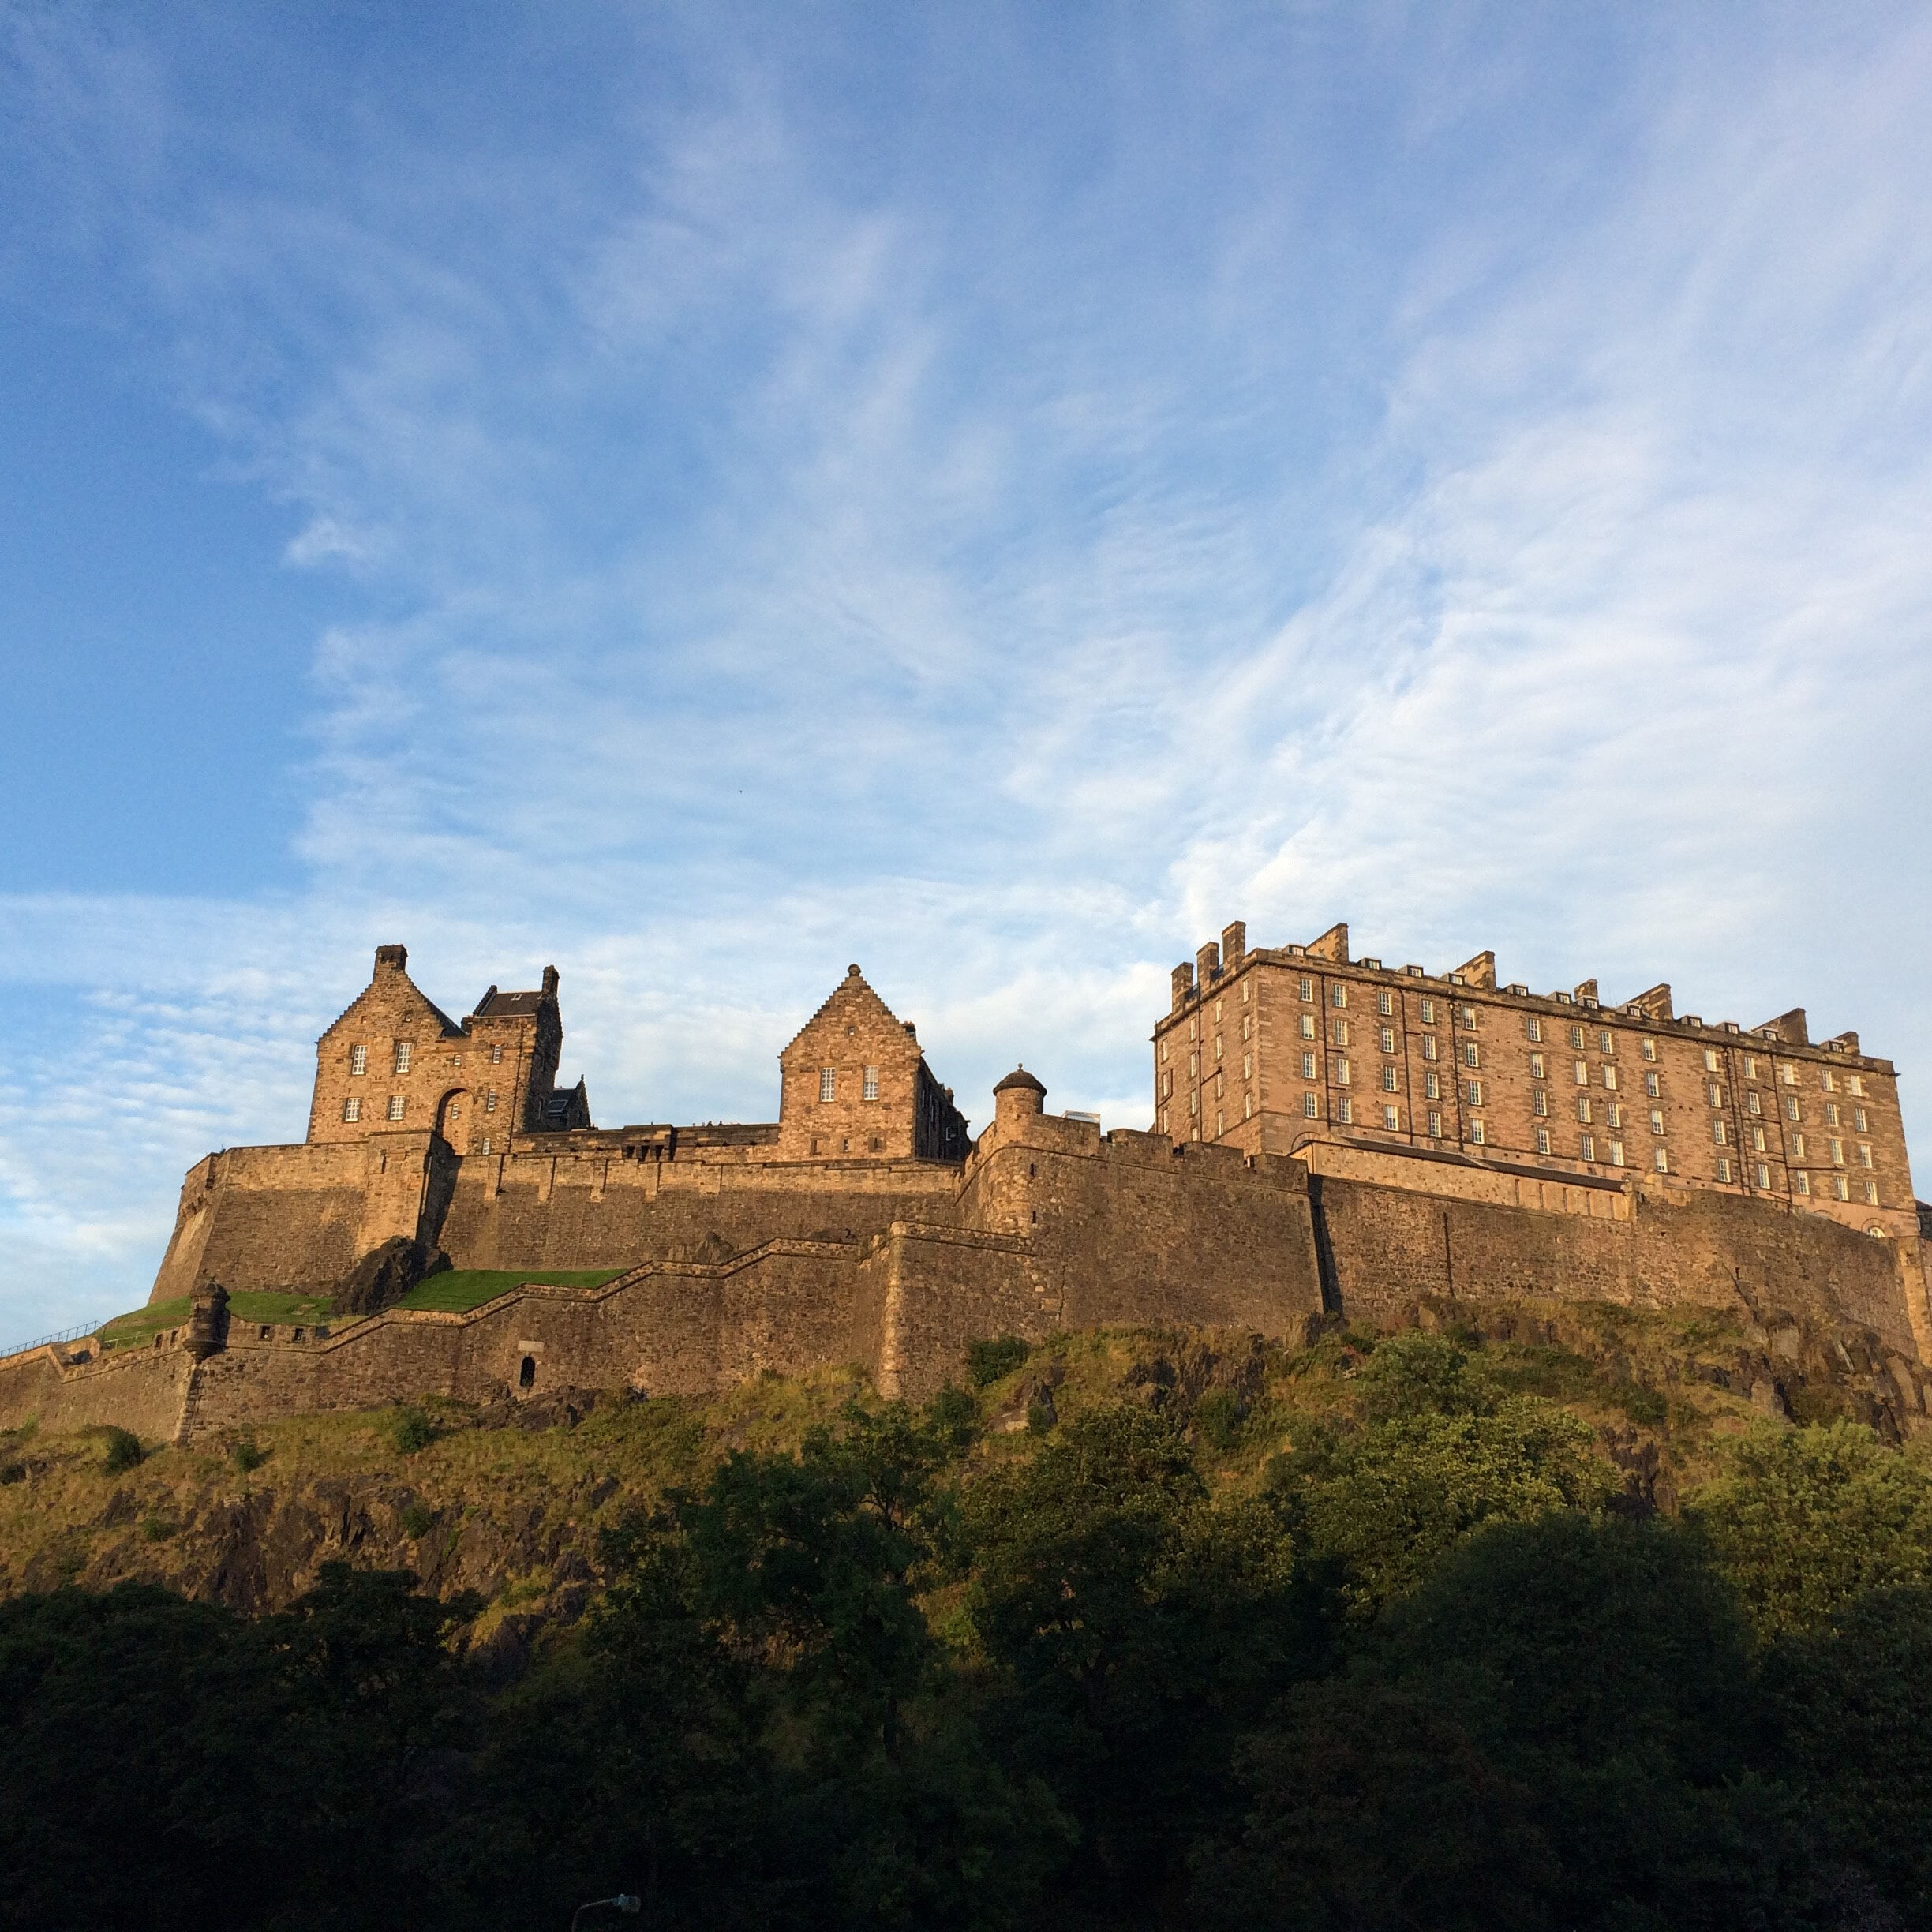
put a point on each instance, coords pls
(987, 1362)
(124, 1451)
(412, 1430)
(955, 1415)
(416, 1520)
(1217, 1418)
(157, 1528)
(249, 1455)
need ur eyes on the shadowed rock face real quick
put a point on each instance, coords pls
(385, 1274)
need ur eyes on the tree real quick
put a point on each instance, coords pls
(1805, 1521)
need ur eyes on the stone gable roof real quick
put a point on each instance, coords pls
(451, 1028)
(851, 995)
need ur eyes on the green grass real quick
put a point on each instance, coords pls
(459, 1290)
(138, 1328)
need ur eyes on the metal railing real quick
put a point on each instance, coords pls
(61, 1334)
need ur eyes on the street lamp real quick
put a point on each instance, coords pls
(624, 1901)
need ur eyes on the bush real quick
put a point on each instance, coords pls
(411, 1430)
(249, 1455)
(987, 1362)
(416, 1520)
(124, 1452)
(1217, 1418)
(954, 1414)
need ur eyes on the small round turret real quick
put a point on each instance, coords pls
(1019, 1096)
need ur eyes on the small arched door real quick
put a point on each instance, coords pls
(453, 1119)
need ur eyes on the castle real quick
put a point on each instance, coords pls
(1329, 1137)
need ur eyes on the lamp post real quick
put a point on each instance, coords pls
(624, 1901)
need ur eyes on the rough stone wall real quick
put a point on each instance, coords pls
(298, 1217)
(144, 1389)
(390, 1013)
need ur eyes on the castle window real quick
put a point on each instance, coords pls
(1758, 1138)
(1792, 1110)
(1391, 1119)
(486, 1146)
(1751, 1066)
(1471, 1057)
(1337, 994)
(1543, 1140)
(1764, 1175)
(1308, 1107)
(1837, 1153)
(1715, 1094)
(1247, 1066)
(395, 1106)
(1649, 1049)
(1717, 1131)
(496, 1054)
(1828, 1079)
(1193, 1105)
(1345, 1111)
(1308, 987)
(1246, 1021)
(1341, 1073)
(1341, 1033)
(1610, 1078)
(1751, 1105)
(1583, 1106)
(1428, 1012)
(1798, 1147)
(1385, 1004)
(1473, 1089)
(1582, 1073)
(1856, 1084)
(1710, 1059)
(1865, 1157)
(1871, 1193)
(352, 1107)
(1388, 1079)
(1606, 1043)
(1307, 1026)
(1220, 1086)
(1576, 1039)
(1217, 1045)
(1477, 1133)
(1801, 1184)
(1613, 1115)
(1248, 1107)
(1539, 1101)
(403, 1050)
(1616, 1153)
(1432, 1086)
(1193, 1066)
(1723, 1169)
(1841, 1188)
(489, 1101)
(1388, 1039)
(828, 1083)
(1220, 1122)
(1857, 1119)
(1536, 1066)
(1308, 1066)
(1194, 1027)
(1244, 990)
(1588, 1143)
(358, 1059)
(1535, 1025)
(1831, 1112)
(1166, 1086)
(1217, 1010)
(869, 1090)
(1469, 1018)
(526, 1373)
(1429, 1045)
(1657, 1121)
(1788, 1074)
(1435, 1126)
(1650, 1085)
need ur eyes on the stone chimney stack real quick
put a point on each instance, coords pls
(392, 958)
(550, 982)
(1234, 943)
(1182, 984)
(1207, 964)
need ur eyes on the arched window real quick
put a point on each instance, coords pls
(526, 1375)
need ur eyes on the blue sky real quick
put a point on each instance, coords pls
(704, 494)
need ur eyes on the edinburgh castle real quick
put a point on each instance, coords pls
(1330, 1138)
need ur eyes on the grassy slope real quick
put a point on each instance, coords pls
(457, 1289)
(515, 1511)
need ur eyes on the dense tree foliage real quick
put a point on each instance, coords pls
(1433, 1672)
